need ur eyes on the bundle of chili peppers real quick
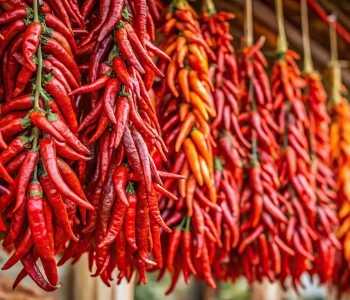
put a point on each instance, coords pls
(323, 183)
(263, 208)
(339, 130)
(228, 152)
(40, 190)
(119, 127)
(124, 228)
(185, 107)
(312, 222)
(327, 222)
(340, 158)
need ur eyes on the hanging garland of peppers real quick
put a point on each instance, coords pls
(223, 72)
(185, 104)
(295, 172)
(124, 128)
(264, 209)
(315, 98)
(38, 131)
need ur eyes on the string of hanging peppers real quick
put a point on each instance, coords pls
(188, 158)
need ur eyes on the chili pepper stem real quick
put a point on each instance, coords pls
(308, 65)
(248, 28)
(254, 159)
(209, 6)
(36, 138)
(335, 67)
(40, 60)
(35, 11)
(282, 40)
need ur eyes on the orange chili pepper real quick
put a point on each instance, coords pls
(205, 172)
(185, 171)
(170, 78)
(203, 124)
(169, 25)
(197, 102)
(197, 86)
(201, 145)
(183, 83)
(185, 130)
(190, 189)
(183, 111)
(181, 55)
(193, 160)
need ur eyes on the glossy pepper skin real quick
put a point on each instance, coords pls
(31, 39)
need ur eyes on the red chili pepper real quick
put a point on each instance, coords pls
(57, 74)
(57, 204)
(121, 72)
(22, 102)
(17, 146)
(12, 30)
(13, 15)
(93, 86)
(17, 219)
(48, 154)
(186, 247)
(101, 128)
(140, 51)
(114, 16)
(22, 249)
(24, 175)
(174, 243)
(250, 238)
(120, 180)
(31, 40)
(127, 51)
(37, 222)
(130, 219)
(65, 71)
(110, 95)
(144, 158)
(91, 117)
(39, 119)
(58, 92)
(54, 48)
(57, 25)
(69, 137)
(152, 48)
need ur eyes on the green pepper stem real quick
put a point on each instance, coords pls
(36, 11)
(40, 60)
(36, 138)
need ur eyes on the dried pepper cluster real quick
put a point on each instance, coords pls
(228, 151)
(188, 158)
(185, 105)
(45, 165)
